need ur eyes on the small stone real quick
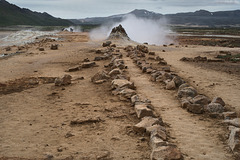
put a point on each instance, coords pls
(100, 81)
(127, 93)
(33, 81)
(201, 99)
(184, 85)
(137, 99)
(215, 107)
(73, 69)
(171, 85)
(187, 92)
(169, 152)
(54, 47)
(8, 49)
(41, 49)
(120, 83)
(229, 115)
(88, 64)
(166, 69)
(146, 122)
(178, 81)
(68, 135)
(218, 100)
(157, 131)
(156, 142)
(142, 48)
(151, 53)
(114, 72)
(234, 140)
(143, 111)
(65, 80)
(106, 44)
(184, 103)
(195, 108)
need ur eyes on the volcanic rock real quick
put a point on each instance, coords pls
(118, 33)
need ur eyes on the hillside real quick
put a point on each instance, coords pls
(200, 18)
(11, 14)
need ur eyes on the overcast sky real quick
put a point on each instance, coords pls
(99, 8)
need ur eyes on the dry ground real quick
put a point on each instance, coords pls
(35, 119)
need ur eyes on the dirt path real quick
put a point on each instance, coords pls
(197, 139)
(207, 81)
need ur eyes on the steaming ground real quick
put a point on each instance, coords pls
(138, 29)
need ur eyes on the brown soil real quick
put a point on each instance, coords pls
(84, 121)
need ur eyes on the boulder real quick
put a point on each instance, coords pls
(143, 111)
(195, 108)
(234, 139)
(187, 92)
(214, 107)
(120, 83)
(218, 100)
(114, 72)
(170, 152)
(200, 99)
(145, 123)
(234, 122)
(107, 43)
(229, 115)
(88, 64)
(61, 81)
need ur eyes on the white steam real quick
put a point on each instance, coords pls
(139, 30)
(74, 28)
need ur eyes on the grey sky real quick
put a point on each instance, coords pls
(99, 8)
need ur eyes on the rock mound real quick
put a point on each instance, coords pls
(118, 33)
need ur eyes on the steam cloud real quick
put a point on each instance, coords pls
(138, 29)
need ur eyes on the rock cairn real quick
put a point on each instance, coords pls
(118, 33)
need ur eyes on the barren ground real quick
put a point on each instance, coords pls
(35, 119)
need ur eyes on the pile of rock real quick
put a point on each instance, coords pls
(118, 33)
(200, 59)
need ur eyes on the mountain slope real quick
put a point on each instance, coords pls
(201, 18)
(13, 15)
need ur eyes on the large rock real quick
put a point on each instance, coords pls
(61, 81)
(218, 100)
(178, 81)
(88, 64)
(143, 111)
(187, 92)
(169, 152)
(201, 99)
(145, 123)
(234, 139)
(234, 122)
(120, 83)
(214, 108)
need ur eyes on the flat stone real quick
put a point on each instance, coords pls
(120, 83)
(234, 140)
(184, 85)
(234, 122)
(229, 115)
(156, 142)
(143, 111)
(138, 99)
(218, 100)
(127, 93)
(169, 152)
(145, 123)
(88, 64)
(215, 107)
(73, 69)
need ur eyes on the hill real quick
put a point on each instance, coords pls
(198, 18)
(11, 14)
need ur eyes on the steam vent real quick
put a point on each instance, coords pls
(118, 33)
